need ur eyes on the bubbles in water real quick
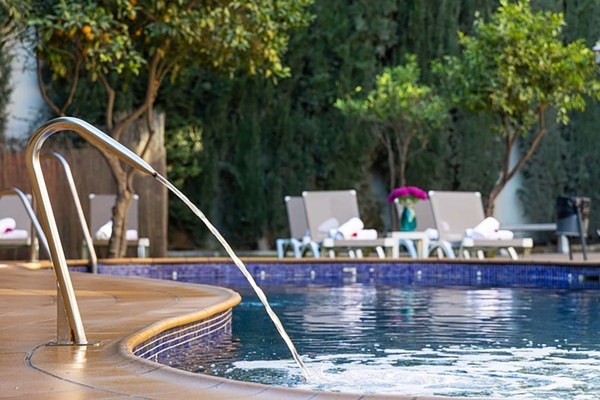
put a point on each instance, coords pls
(549, 373)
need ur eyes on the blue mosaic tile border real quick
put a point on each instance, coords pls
(158, 347)
(497, 274)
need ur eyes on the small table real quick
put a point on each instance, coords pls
(418, 236)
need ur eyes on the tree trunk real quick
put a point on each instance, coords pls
(139, 139)
(117, 246)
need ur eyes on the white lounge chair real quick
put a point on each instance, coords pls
(426, 224)
(299, 241)
(327, 210)
(101, 215)
(16, 205)
(455, 212)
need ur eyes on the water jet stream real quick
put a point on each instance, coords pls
(240, 264)
(70, 328)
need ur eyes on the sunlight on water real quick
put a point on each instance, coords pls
(513, 343)
(541, 373)
(243, 269)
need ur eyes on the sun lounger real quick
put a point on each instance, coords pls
(299, 241)
(101, 221)
(327, 211)
(426, 229)
(19, 222)
(456, 212)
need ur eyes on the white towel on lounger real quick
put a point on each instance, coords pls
(350, 227)
(347, 229)
(365, 234)
(485, 229)
(432, 233)
(15, 234)
(105, 231)
(131, 235)
(7, 225)
(489, 228)
(328, 225)
(502, 234)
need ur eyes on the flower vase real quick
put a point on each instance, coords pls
(408, 219)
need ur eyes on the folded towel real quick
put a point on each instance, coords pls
(347, 229)
(328, 225)
(14, 234)
(502, 234)
(105, 231)
(131, 234)
(489, 228)
(365, 234)
(484, 230)
(432, 234)
(350, 227)
(7, 225)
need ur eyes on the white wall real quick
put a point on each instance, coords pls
(507, 208)
(26, 100)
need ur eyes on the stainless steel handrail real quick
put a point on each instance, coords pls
(76, 333)
(80, 214)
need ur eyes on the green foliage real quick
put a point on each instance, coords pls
(264, 141)
(183, 146)
(123, 35)
(140, 43)
(501, 73)
(399, 109)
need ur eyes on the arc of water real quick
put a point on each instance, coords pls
(40, 191)
(240, 264)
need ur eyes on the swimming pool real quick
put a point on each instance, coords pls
(451, 329)
(447, 341)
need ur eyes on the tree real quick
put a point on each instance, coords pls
(400, 110)
(516, 69)
(123, 43)
(7, 34)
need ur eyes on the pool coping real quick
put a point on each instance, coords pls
(144, 308)
(120, 312)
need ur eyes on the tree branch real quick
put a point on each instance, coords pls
(110, 105)
(534, 144)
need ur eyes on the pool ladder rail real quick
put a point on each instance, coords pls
(70, 330)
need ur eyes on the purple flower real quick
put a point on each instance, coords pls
(407, 195)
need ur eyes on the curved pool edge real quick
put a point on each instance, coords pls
(120, 312)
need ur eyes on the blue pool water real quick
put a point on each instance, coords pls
(406, 339)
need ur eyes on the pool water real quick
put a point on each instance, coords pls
(414, 340)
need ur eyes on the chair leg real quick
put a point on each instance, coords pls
(513, 253)
(314, 247)
(410, 247)
(279, 243)
(380, 252)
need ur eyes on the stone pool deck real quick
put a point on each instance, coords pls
(114, 308)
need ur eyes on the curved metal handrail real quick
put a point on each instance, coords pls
(76, 332)
(84, 227)
(31, 213)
